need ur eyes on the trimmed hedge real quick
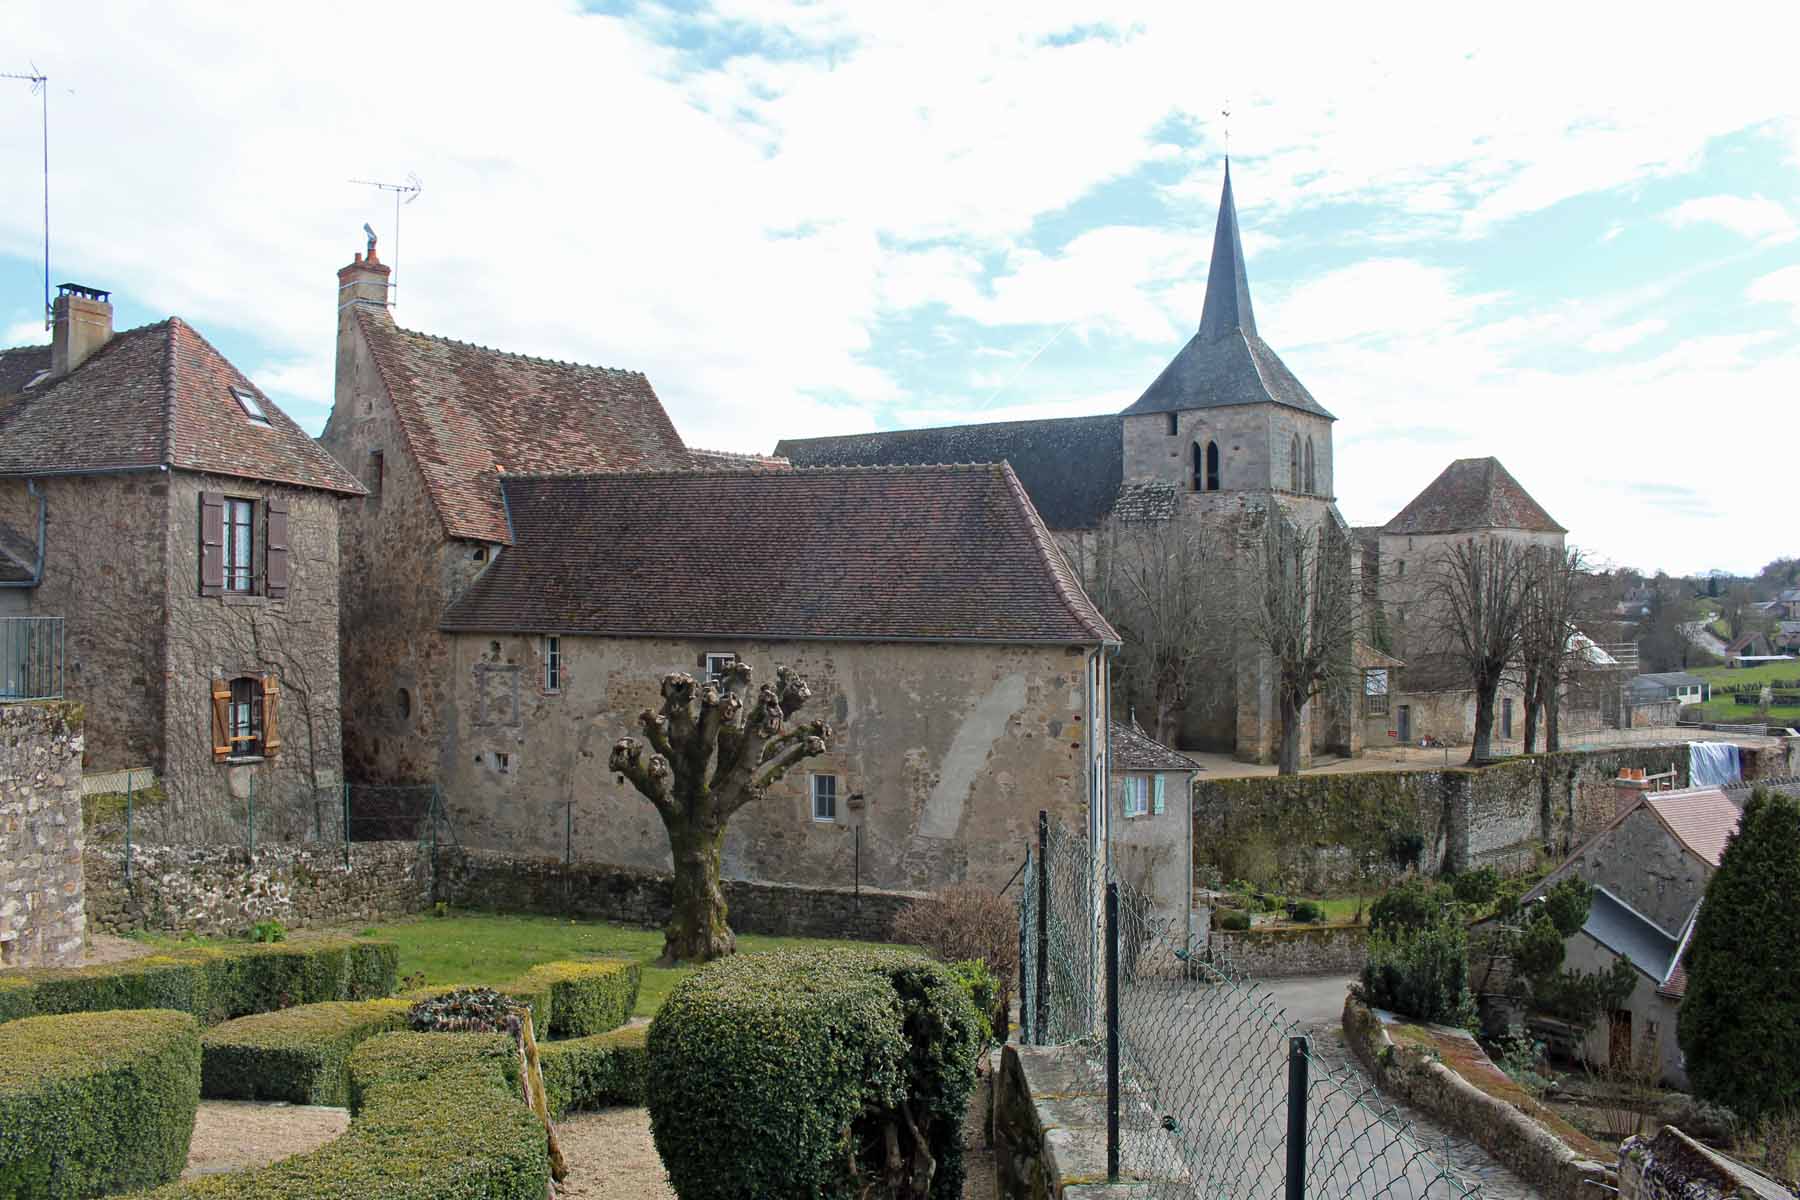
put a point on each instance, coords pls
(213, 983)
(780, 1074)
(585, 998)
(301, 1055)
(410, 1057)
(595, 1072)
(94, 1103)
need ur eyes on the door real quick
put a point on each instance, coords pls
(1506, 719)
(1618, 1052)
(1404, 723)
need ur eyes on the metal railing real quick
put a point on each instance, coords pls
(1211, 1091)
(31, 658)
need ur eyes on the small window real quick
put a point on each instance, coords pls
(717, 665)
(552, 663)
(502, 762)
(1294, 465)
(240, 544)
(1137, 795)
(1375, 693)
(376, 471)
(1400, 566)
(1212, 466)
(246, 717)
(1312, 479)
(37, 379)
(251, 405)
(479, 554)
(824, 797)
(403, 702)
(1172, 430)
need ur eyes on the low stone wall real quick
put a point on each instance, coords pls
(1415, 1074)
(42, 920)
(485, 879)
(1277, 953)
(1673, 1166)
(219, 890)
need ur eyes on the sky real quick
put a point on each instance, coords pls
(1568, 242)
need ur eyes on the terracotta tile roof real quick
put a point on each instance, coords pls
(1472, 493)
(732, 460)
(1072, 466)
(1135, 750)
(1675, 987)
(471, 414)
(159, 395)
(944, 553)
(1702, 819)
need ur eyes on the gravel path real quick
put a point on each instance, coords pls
(611, 1157)
(231, 1135)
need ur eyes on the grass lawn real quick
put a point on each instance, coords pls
(1768, 673)
(483, 949)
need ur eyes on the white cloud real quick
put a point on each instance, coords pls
(1611, 341)
(1778, 287)
(1755, 217)
(23, 333)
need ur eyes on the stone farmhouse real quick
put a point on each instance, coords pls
(1153, 820)
(1226, 435)
(173, 562)
(537, 548)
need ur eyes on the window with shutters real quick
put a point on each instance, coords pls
(243, 546)
(240, 544)
(244, 718)
(1137, 795)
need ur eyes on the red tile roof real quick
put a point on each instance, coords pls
(942, 553)
(1472, 493)
(159, 395)
(471, 414)
(1702, 819)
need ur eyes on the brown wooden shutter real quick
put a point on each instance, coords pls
(276, 579)
(271, 730)
(212, 543)
(221, 719)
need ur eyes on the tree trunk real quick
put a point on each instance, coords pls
(697, 930)
(1484, 722)
(1552, 736)
(1532, 703)
(1289, 761)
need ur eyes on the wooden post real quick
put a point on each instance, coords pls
(536, 1098)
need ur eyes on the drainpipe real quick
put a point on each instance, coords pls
(37, 573)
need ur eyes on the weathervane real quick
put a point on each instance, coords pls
(1226, 113)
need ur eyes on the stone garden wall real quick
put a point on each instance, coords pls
(41, 915)
(1277, 953)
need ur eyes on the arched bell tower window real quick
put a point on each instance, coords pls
(1312, 483)
(1294, 465)
(1199, 468)
(1212, 466)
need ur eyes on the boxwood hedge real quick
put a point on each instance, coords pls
(93, 1103)
(594, 1072)
(567, 999)
(779, 1074)
(301, 1055)
(409, 1057)
(213, 983)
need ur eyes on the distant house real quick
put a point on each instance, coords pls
(1649, 866)
(1748, 645)
(1666, 685)
(1785, 605)
(1787, 637)
(1153, 816)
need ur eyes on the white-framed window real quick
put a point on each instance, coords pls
(1137, 795)
(824, 797)
(1375, 693)
(553, 664)
(240, 544)
(718, 664)
(252, 407)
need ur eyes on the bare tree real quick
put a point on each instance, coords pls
(1476, 597)
(1548, 649)
(1301, 611)
(704, 764)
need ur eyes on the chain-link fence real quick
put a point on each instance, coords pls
(1211, 1091)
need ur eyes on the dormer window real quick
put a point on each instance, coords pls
(251, 405)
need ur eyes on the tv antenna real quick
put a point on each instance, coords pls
(40, 87)
(407, 192)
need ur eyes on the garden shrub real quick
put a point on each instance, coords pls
(1308, 913)
(1412, 903)
(583, 998)
(1421, 973)
(986, 994)
(402, 1057)
(93, 1103)
(1477, 888)
(594, 1072)
(782, 1074)
(1232, 920)
(964, 922)
(300, 1055)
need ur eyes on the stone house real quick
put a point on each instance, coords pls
(186, 532)
(1153, 820)
(941, 633)
(1222, 439)
(1650, 866)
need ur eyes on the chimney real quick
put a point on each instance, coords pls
(81, 323)
(1628, 788)
(364, 281)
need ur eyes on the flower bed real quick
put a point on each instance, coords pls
(300, 1055)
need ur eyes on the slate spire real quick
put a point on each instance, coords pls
(1227, 308)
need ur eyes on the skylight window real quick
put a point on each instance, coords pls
(251, 405)
(37, 379)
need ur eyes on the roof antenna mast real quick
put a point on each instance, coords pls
(408, 191)
(40, 87)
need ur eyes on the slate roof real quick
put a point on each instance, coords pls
(1662, 683)
(158, 395)
(1702, 819)
(1472, 493)
(939, 553)
(1135, 750)
(1145, 500)
(1071, 466)
(1623, 930)
(471, 414)
(1226, 363)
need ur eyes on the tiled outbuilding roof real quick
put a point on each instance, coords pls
(941, 553)
(471, 414)
(1471, 494)
(159, 395)
(1071, 466)
(1135, 750)
(732, 460)
(1702, 819)
(20, 366)
(1145, 501)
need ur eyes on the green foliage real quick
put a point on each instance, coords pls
(1580, 997)
(1477, 888)
(1566, 903)
(1308, 912)
(300, 1055)
(270, 930)
(1509, 894)
(1422, 973)
(213, 982)
(1232, 920)
(410, 1057)
(595, 1072)
(93, 1103)
(986, 994)
(1413, 903)
(1740, 1021)
(1537, 947)
(584, 998)
(466, 1010)
(1405, 848)
(782, 1074)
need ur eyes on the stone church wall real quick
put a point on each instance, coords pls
(42, 920)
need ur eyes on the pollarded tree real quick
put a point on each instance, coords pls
(1301, 612)
(1740, 1020)
(1477, 594)
(711, 751)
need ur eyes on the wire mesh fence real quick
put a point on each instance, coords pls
(1211, 1090)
